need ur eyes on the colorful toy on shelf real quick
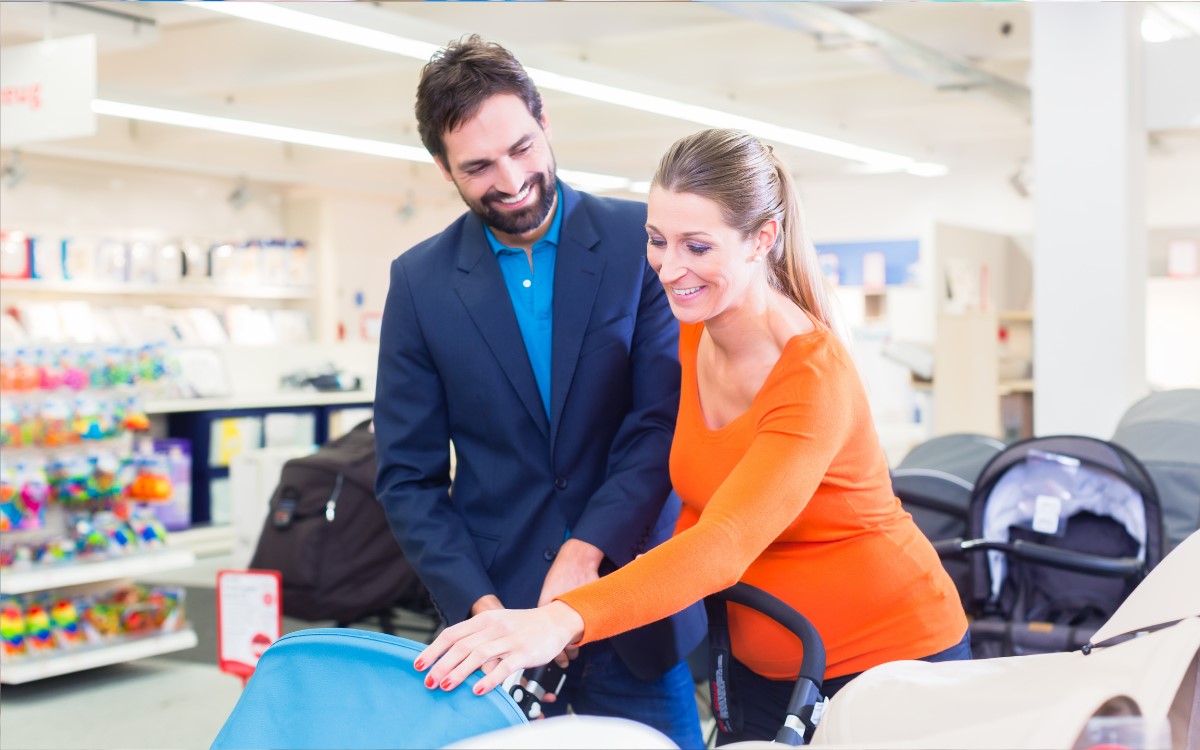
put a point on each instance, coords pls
(152, 483)
(118, 370)
(8, 556)
(55, 416)
(51, 375)
(10, 513)
(38, 635)
(87, 423)
(23, 494)
(64, 616)
(149, 530)
(90, 540)
(104, 618)
(69, 476)
(12, 629)
(75, 373)
(57, 550)
(134, 418)
(25, 375)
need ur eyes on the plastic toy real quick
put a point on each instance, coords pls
(152, 483)
(12, 630)
(34, 492)
(104, 618)
(25, 375)
(86, 424)
(149, 530)
(67, 626)
(55, 416)
(38, 635)
(51, 374)
(134, 418)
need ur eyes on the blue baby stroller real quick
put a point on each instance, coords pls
(1061, 529)
(357, 690)
(934, 483)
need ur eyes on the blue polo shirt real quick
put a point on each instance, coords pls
(532, 294)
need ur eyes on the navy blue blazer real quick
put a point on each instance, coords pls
(453, 367)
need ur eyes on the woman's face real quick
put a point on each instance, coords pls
(706, 266)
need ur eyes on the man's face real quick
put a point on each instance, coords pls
(500, 161)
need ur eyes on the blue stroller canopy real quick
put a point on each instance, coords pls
(354, 690)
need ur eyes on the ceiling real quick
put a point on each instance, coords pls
(941, 83)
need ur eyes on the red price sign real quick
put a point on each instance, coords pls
(249, 618)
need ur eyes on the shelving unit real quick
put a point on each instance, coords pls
(188, 290)
(45, 577)
(36, 667)
(33, 668)
(980, 384)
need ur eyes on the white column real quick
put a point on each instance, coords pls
(1089, 260)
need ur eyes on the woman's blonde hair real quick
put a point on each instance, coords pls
(752, 186)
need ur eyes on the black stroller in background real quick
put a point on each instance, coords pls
(1061, 529)
(1163, 432)
(934, 483)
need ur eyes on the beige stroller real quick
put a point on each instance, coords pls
(1143, 661)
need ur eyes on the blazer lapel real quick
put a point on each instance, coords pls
(483, 292)
(577, 272)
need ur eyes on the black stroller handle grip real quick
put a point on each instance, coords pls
(801, 717)
(1080, 562)
(812, 666)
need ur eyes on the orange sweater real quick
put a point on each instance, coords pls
(794, 497)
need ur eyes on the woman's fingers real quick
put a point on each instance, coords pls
(497, 676)
(442, 643)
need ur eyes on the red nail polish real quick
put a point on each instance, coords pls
(419, 665)
(446, 684)
(478, 690)
(429, 681)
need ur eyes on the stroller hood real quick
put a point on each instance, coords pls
(1163, 432)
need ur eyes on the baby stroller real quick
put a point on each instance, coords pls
(354, 689)
(1069, 525)
(1163, 432)
(1143, 662)
(934, 483)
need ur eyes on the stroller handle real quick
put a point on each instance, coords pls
(1080, 562)
(807, 692)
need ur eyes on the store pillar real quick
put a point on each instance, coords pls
(1089, 146)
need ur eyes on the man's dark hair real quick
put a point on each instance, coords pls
(459, 79)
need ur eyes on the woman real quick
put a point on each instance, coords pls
(775, 456)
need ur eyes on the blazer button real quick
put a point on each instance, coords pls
(560, 483)
(549, 554)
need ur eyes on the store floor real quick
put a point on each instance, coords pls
(179, 700)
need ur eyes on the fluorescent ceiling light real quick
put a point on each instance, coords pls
(586, 180)
(713, 118)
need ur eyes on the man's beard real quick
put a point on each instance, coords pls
(517, 222)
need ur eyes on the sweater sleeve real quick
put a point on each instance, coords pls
(794, 444)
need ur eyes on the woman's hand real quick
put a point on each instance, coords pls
(516, 638)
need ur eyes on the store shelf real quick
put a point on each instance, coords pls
(260, 401)
(33, 668)
(1015, 316)
(92, 571)
(101, 288)
(1008, 387)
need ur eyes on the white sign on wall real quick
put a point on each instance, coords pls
(46, 90)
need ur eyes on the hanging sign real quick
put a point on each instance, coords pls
(46, 90)
(249, 618)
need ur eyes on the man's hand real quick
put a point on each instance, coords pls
(578, 562)
(484, 603)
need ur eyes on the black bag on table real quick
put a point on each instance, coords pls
(328, 537)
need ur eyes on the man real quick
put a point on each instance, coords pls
(532, 333)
